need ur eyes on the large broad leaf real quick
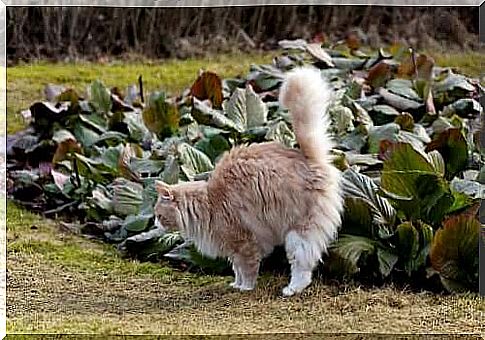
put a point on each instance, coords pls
(466, 108)
(454, 253)
(127, 197)
(100, 97)
(320, 54)
(452, 88)
(343, 119)
(193, 161)
(265, 77)
(136, 126)
(171, 170)
(386, 260)
(205, 115)
(188, 254)
(383, 114)
(151, 244)
(350, 249)
(452, 145)
(208, 86)
(85, 135)
(281, 132)
(246, 109)
(388, 132)
(137, 223)
(403, 88)
(415, 185)
(160, 116)
(213, 146)
(361, 187)
(399, 102)
(413, 244)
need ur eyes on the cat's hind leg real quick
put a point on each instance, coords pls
(303, 252)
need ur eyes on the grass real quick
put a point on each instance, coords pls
(470, 63)
(25, 83)
(59, 282)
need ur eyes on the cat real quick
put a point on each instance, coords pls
(264, 195)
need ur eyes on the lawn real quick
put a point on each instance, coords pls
(60, 282)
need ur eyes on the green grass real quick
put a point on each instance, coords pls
(25, 83)
(469, 63)
(30, 235)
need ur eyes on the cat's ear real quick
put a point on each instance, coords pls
(164, 190)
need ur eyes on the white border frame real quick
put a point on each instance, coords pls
(141, 3)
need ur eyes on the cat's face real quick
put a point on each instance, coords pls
(167, 214)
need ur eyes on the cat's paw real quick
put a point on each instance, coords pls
(245, 288)
(289, 291)
(234, 285)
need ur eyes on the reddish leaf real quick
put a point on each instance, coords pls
(352, 41)
(208, 86)
(379, 74)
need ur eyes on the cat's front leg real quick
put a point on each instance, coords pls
(246, 269)
(237, 277)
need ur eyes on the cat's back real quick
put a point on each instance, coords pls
(255, 160)
(258, 169)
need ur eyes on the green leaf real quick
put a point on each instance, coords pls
(102, 200)
(452, 88)
(136, 126)
(399, 102)
(236, 109)
(127, 197)
(146, 166)
(387, 260)
(466, 108)
(280, 132)
(437, 161)
(351, 248)
(213, 146)
(383, 114)
(343, 119)
(137, 223)
(403, 88)
(100, 97)
(246, 109)
(86, 136)
(205, 115)
(408, 174)
(257, 111)
(453, 146)
(193, 160)
(377, 134)
(358, 186)
(171, 170)
(160, 116)
(407, 241)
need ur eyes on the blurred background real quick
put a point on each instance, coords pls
(70, 33)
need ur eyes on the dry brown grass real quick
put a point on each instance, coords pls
(50, 292)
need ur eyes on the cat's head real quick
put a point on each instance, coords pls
(167, 214)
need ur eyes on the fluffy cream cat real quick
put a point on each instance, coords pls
(263, 195)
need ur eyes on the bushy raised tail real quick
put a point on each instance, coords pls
(307, 96)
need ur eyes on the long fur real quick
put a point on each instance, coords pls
(264, 195)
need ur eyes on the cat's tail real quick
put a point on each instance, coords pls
(307, 96)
